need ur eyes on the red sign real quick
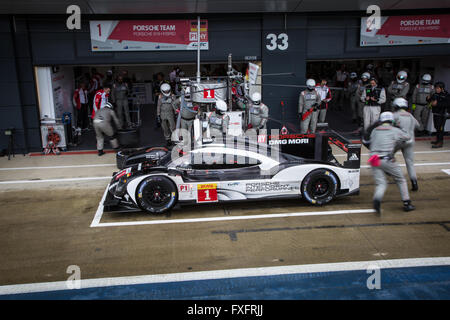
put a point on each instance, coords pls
(208, 93)
(207, 192)
(135, 35)
(403, 30)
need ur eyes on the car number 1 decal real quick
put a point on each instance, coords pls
(207, 192)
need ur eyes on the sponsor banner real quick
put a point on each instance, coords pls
(406, 30)
(147, 35)
(253, 72)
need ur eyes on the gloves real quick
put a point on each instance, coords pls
(413, 107)
(177, 111)
(158, 119)
(249, 126)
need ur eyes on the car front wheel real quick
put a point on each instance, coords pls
(156, 194)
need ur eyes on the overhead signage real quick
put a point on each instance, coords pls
(406, 30)
(147, 35)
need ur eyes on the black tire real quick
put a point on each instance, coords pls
(156, 194)
(128, 138)
(319, 187)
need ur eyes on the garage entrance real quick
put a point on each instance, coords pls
(339, 115)
(56, 86)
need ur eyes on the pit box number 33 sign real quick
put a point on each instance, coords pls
(207, 192)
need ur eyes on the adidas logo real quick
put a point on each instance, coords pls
(353, 157)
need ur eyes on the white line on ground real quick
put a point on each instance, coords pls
(227, 274)
(56, 180)
(210, 219)
(447, 171)
(61, 167)
(425, 164)
(417, 152)
(99, 213)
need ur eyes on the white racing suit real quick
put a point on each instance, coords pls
(258, 115)
(308, 102)
(407, 123)
(383, 141)
(218, 125)
(396, 90)
(103, 126)
(165, 109)
(372, 109)
(325, 97)
(419, 99)
(120, 98)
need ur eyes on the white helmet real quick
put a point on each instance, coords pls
(365, 75)
(187, 93)
(426, 78)
(353, 75)
(400, 103)
(401, 76)
(386, 116)
(221, 105)
(109, 105)
(256, 98)
(165, 89)
(311, 84)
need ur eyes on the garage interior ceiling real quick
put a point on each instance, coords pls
(208, 6)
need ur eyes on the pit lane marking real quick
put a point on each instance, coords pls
(226, 274)
(61, 167)
(56, 180)
(99, 213)
(425, 164)
(417, 152)
(447, 171)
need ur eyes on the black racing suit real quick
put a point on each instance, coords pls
(439, 113)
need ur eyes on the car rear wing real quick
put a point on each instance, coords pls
(317, 146)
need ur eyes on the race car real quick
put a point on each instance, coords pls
(240, 170)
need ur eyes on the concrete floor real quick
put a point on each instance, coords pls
(45, 226)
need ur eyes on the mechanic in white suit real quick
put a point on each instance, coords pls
(409, 124)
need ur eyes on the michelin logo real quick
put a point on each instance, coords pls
(353, 157)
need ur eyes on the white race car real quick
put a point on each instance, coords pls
(239, 171)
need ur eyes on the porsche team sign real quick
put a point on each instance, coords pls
(147, 35)
(406, 30)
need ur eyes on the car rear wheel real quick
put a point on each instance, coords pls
(319, 187)
(156, 194)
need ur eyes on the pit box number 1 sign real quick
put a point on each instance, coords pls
(207, 192)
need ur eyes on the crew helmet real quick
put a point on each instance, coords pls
(187, 93)
(426, 78)
(353, 75)
(310, 84)
(165, 89)
(386, 116)
(221, 106)
(365, 76)
(256, 98)
(401, 76)
(400, 103)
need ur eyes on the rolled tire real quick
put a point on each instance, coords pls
(156, 194)
(128, 138)
(319, 187)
